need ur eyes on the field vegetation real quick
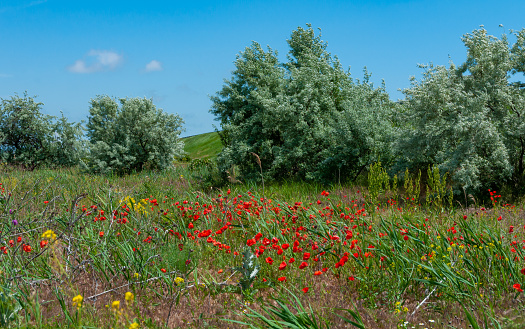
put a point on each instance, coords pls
(151, 250)
(320, 203)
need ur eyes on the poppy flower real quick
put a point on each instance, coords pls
(306, 256)
(305, 289)
(303, 265)
(318, 273)
(282, 266)
(517, 286)
(163, 270)
(291, 260)
(101, 234)
(282, 278)
(269, 260)
(523, 271)
(351, 278)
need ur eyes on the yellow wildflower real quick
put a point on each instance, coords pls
(134, 325)
(178, 280)
(129, 296)
(115, 305)
(77, 301)
(50, 235)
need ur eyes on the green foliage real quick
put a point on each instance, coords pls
(412, 187)
(378, 181)
(436, 187)
(288, 313)
(304, 118)
(249, 269)
(131, 137)
(469, 120)
(9, 308)
(31, 139)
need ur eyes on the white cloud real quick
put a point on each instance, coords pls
(97, 60)
(153, 66)
(21, 5)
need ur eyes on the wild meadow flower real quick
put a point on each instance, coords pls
(15, 222)
(77, 301)
(115, 305)
(129, 296)
(134, 325)
(50, 235)
(178, 281)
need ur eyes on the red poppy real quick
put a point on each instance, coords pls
(351, 278)
(43, 243)
(282, 266)
(305, 289)
(523, 271)
(303, 265)
(517, 286)
(291, 260)
(101, 234)
(163, 270)
(269, 260)
(282, 278)
(318, 273)
(306, 256)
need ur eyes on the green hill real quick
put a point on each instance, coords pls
(202, 146)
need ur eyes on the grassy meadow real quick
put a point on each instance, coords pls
(155, 250)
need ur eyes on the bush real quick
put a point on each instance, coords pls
(305, 118)
(131, 137)
(469, 120)
(31, 139)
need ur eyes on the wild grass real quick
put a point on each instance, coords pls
(203, 146)
(301, 256)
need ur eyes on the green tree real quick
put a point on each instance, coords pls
(31, 139)
(291, 114)
(468, 120)
(131, 137)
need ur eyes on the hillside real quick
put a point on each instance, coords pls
(202, 146)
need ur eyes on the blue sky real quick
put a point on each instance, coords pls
(179, 52)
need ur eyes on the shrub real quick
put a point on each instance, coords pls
(304, 118)
(131, 137)
(31, 139)
(469, 120)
